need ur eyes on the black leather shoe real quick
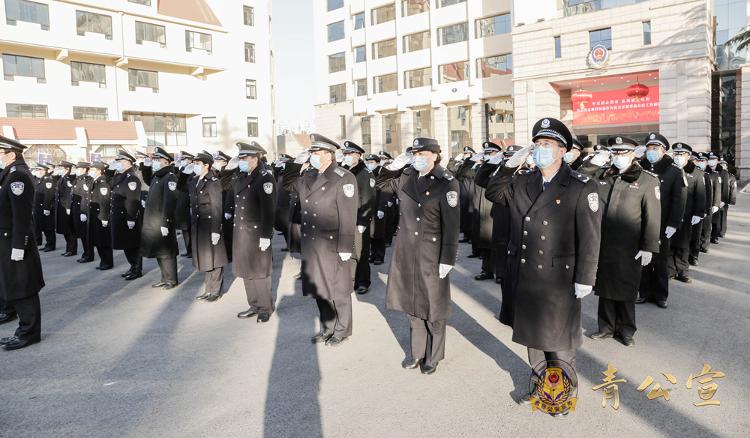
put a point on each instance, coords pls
(640, 300)
(428, 369)
(20, 343)
(715, 241)
(168, 286)
(661, 304)
(322, 336)
(4, 341)
(69, 254)
(484, 276)
(133, 276)
(263, 317)
(362, 290)
(705, 251)
(411, 364)
(7, 317)
(212, 297)
(158, 285)
(626, 341)
(284, 249)
(125, 274)
(601, 335)
(525, 400)
(377, 262)
(201, 297)
(683, 278)
(104, 267)
(249, 313)
(83, 260)
(47, 249)
(693, 261)
(498, 280)
(464, 240)
(335, 341)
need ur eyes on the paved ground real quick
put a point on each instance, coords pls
(121, 359)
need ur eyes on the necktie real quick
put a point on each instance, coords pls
(545, 184)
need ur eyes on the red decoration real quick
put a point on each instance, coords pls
(637, 91)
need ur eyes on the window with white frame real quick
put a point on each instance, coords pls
(210, 127)
(18, 65)
(143, 79)
(197, 40)
(87, 72)
(30, 12)
(26, 111)
(94, 23)
(150, 32)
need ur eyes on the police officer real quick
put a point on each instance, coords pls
(718, 219)
(354, 163)
(629, 236)
(379, 218)
(44, 209)
(714, 188)
(21, 276)
(125, 213)
(98, 212)
(283, 200)
(158, 235)
(554, 244)
(78, 216)
(64, 223)
(462, 168)
(672, 194)
(427, 243)
(695, 212)
(696, 238)
(182, 209)
(482, 231)
(575, 156)
(254, 198)
(225, 172)
(328, 204)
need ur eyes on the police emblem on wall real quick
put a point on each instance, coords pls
(268, 188)
(17, 188)
(593, 199)
(349, 190)
(172, 185)
(452, 198)
(132, 185)
(598, 57)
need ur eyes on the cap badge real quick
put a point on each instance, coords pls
(416, 142)
(545, 123)
(653, 136)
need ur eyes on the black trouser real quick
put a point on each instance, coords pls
(88, 248)
(259, 295)
(362, 275)
(336, 316)
(695, 239)
(214, 281)
(186, 239)
(716, 224)
(724, 219)
(104, 248)
(29, 317)
(377, 246)
(616, 317)
(706, 232)
(133, 255)
(5, 308)
(679, 263)
(168, 267)
(51, 239)
(538, 356)
(71, 243)
(488, 263)
(427, 340)
(655, 276)
(37, 233)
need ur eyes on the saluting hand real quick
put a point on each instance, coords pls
(519, 157)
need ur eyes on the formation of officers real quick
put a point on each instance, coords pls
(551, 221)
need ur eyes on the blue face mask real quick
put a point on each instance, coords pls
(569, 158)
(371, 166)
(348, 160)
(156, 166)
(244, 166)
(621, 162)
(315, 161)
(420, 163)
(543, 157)
(117, 167)
(701, 165)
(652, 156)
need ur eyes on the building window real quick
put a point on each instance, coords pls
(210, 128)
(248, 15)
(336, 31)
(89, 113)
(364, 126)
(22, 111)
(558, 48)
(414, 7)
(497, 25)
(335, 4)
(161, 129)
(30, 12)
(197, 40)
(150, 32)
(361, 87)
(359, 20)
(421, 77)
(359, 54)
(251, 91)
(423, 123)
(143, 79)
(392, 133)
(500, 119)
(646, 33)
(385, 83)
(249, 52)
(85, 72)
(384, 14)
(17, 65)
(94, 23)
(141, 2)
(384, 49)
(459, 128)
(601, 36)
(443, 3)
(575, 7)
(454, 72)
(336, 62)
(417, 41)
(342, 127)
(454, 33)
(337, 93)
(252, 126)
(495, 66)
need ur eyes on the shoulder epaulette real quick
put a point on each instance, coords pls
(580, 177)
(339, 172)
(448, 177)
(648, 172)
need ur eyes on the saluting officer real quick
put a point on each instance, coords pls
(99, 211)
(328, 206)
(718, 219)
(158, 235)
(283, 200)
(575, 156)
(64, 224)
(462, 168)
(672, 193)
(354, 163)
(697, 243)
(77, 214)
(426, 244)
(554, 244)
(21, 276)
(125, 213)
(629, 236)
(254, 199)
(482, 231)
(182, 209)
(44, 209)
(225, 173)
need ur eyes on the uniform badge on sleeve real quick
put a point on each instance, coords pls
(132, 185)
(70, 184)
(172, 185)
(657, 192)
(452, 198)
(48, 185)
(103, 191)
(268, 188)
(349, 190)
(372, 182)
(86, 187)
(17, 188)
(593, 199)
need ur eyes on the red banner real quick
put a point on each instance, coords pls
(615, 107)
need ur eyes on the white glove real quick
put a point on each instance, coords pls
(302, 157)
(83, 218)
(496, 159)
(16, 255)
(131, 224)
(714, 209)
(215, 238)
(390, 203)
(264, 244)
(645, 257)
(67, 211)
(399, 162)
(695, 219)
(227, 216)
(361, 229)
(477, 157)
(164, 231)
(381, 215)
(233, 163)
(345, 256)
(105, 224)
(519, 157)
(188, 169)
(601, 158)
(582, 290)
(147, 162)
(443, 270)
(669, 232)
(143, 204)
(47, 212)
(721, 205)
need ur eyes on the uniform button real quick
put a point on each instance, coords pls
(525, 233)
(543, 238)
(544, 222)
(305, 223)
(539, 266)
(304, 234)
(255, 226)
(330, 237)
(523, 246)
(416, 233)
(323, 188)
(306, 201)
(238, 196)
(305, 211)
(523, 260)
(541, 252)
(527, 219)
(508, 252)
(419, 205)
(567, 267)
(243, 208)
(418, 219)
(427, 193)
(434, 239)
(315, 214)
(313, 226)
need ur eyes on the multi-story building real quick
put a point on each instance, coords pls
(97, 74)
(388, 71)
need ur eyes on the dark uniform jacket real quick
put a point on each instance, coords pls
(464, 173)
(483, 207)
(159, 212)
(283, 202)
(554, 242)
(99, 211)
(385, 203)
(18, 279)
(80, 190)
(672, 192)
(724, 184)
(695, 204)
(632, 217)
(254, 206)
(207, 217)
(44, 200)
(62, 200)
(427, 237)
(367, 199)
(125, 206)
